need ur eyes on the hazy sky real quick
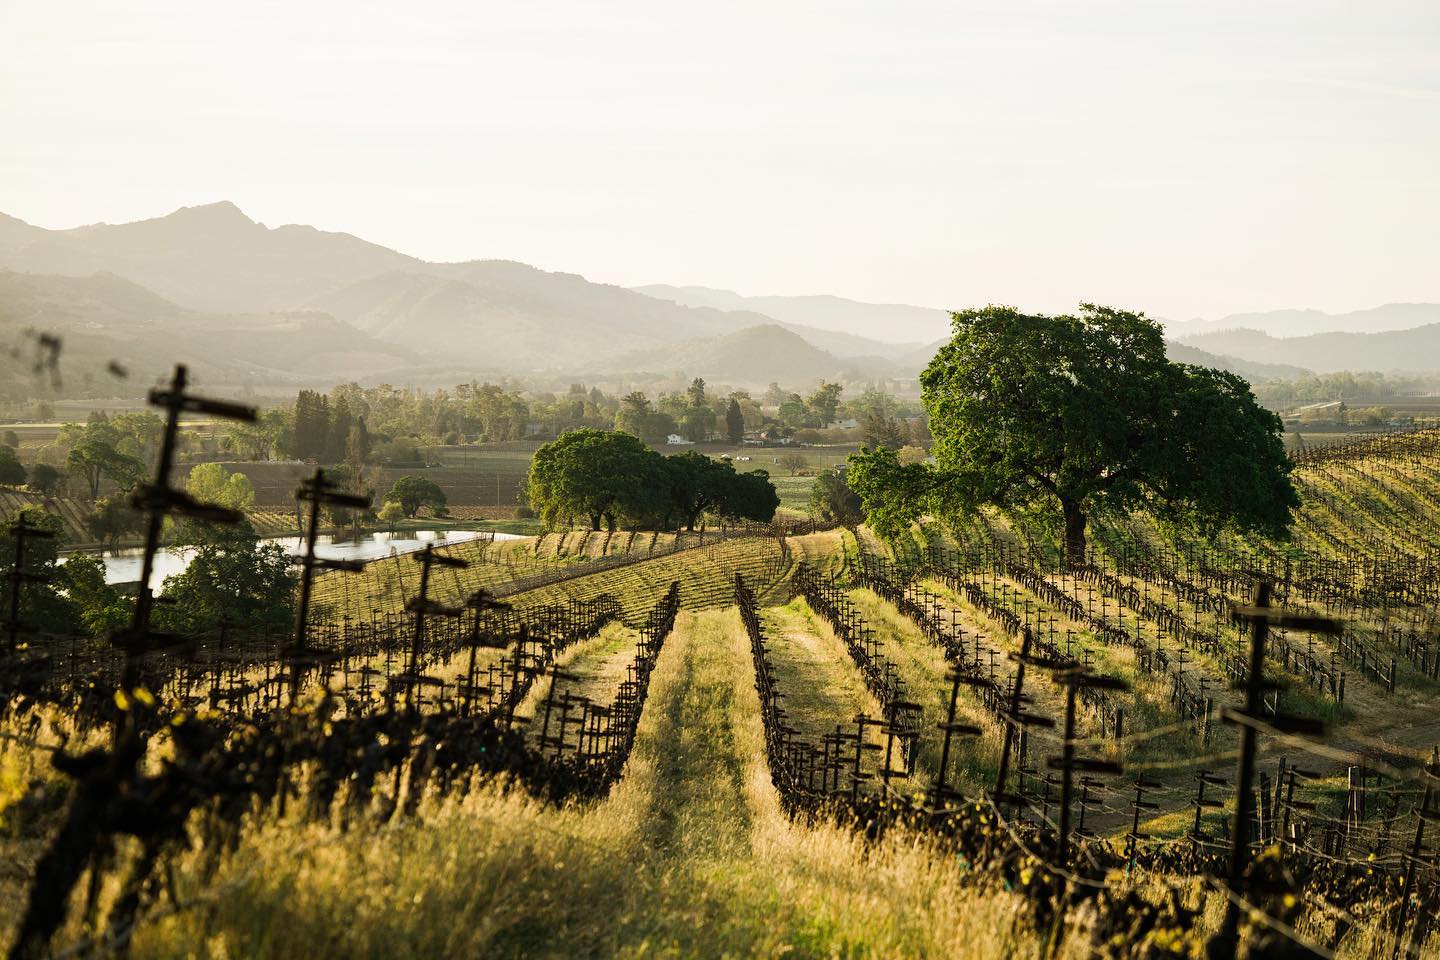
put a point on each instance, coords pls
(1186, 158)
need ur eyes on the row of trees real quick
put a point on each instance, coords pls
(85, 457)
(1345, 385)
(389, 425)
(233, 578)
(613, 478)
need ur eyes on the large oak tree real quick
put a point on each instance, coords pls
(593, 474)
(1081, 412)
(600, 475)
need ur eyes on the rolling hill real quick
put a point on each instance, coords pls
(753, 357)
(1415, 350)
(495, 314)
(210, 258)
(509, 314)
(104, 318)
(1299, 323)
(886, 322)
(1251, 370)
(257, 304)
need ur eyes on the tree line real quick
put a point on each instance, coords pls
(391, 425)
(233, 578)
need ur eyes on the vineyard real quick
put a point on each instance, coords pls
(765, 739)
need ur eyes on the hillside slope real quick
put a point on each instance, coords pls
(1411, 351)
(754, 356)
(509, 313)
(213, 259)
(1299, 323)
(889, 322)
(104, 318)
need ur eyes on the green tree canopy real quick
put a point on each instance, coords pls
(310, 437)
(734, 421)
(698, 485)
(95, 459)
(45, 479)
(12, 472)
(213, 483)
(391, 513)
(101, 607)
(1076, 413)
(112, 519)
(139, 435)
(42, 604)
(232, 578)
(793, 413)
(697, 423)
(412, 493)
(613, 477)
(594, 474)
(883, 431)
(637, 417)
(752, 497)
(832, 500)
(695, 393)
(261, 439)
(824, 402)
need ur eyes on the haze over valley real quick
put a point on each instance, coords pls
(275, 307)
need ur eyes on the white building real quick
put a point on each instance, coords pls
(675, 440)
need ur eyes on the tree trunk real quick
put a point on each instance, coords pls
(1074, 532)
(594, 521)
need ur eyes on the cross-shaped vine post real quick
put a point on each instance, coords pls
(159, 500)
(319, 491)
(21, 530)
(1251, 719)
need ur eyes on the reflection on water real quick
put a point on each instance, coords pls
(123, 566)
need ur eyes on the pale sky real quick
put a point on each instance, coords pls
(1184, 158)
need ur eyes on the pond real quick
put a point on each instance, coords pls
(123, 566)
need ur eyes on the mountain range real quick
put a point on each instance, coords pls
(1415, 350)
(267, 307)
(836, 315)
(1301, 323)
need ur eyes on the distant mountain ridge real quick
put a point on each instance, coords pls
(1414, 350)
(211, 258)
(1253, 371)
(884, 322)
(753, 356)
(495, 315)
(104, 318)
(1301, 323)
(324, 304)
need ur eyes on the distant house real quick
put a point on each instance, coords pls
(675, 440)
(849, 423)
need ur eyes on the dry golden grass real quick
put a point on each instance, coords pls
(691, 855)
